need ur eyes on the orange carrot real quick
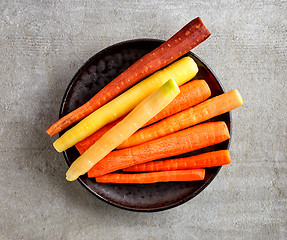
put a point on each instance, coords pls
(153, 177)
(209, 159)
(184, 141)
(183, 41)
(189, 117)
(190, 94)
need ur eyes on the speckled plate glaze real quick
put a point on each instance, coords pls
(97, 72)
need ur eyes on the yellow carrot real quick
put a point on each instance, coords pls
(181, 71)
(141, 114)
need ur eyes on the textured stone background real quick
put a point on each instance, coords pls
(43, 43)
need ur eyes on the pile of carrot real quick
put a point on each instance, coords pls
(182, 119)
(190, 94)
(178, 129)
(184, 141)
(172, 136)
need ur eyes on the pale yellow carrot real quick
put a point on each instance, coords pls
(141, 114)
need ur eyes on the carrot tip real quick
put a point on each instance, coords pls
(239, 97)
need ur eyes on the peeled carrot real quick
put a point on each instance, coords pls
(153, 177)
(141, 114)
(189, 117)
(184, 141)
(205, 160)
(190, 94)
(183, 41)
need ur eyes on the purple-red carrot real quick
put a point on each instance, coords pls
(183, 41)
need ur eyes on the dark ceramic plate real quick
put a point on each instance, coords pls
(92, 77)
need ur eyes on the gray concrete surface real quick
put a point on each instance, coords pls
(43, 43)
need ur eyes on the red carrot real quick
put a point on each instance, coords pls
(189, 117)
(183, 41)
(153, 177)
(184, 141)
(190, 94)
(209, 159)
